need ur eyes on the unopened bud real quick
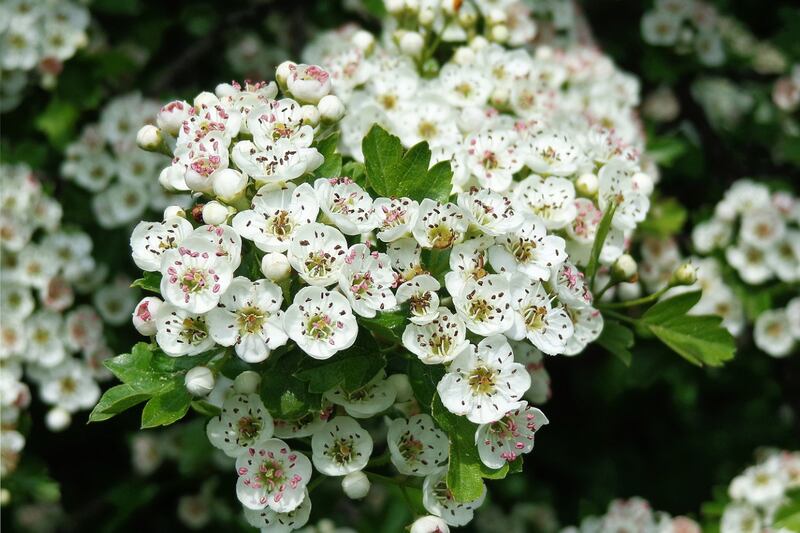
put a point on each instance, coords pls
(308, 83)
(586, 185)
(356, 485)
(247, 382)
(426, 17)
(171, 116)
(199, 381)
(624, 269)
(363, 40)
(500, 33)
(173, 178)
(643, 183)
(686, 274)
(58, 419)
(402, 386)
(283, 72)
(205, 99)
(331, 108)
(215, 213)
(464, 55)
(275, 266)
(412, 43)
(149, 138)
(311, 114)
(229, 184)
(225, 89)
(174, 211)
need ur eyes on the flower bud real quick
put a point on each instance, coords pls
(426, 17)
(586, 185)
(356, 485)
(275, 266)
(478, 43)
(363, 40)
(215, 213)
(57, 419)
(686, 274)
(174, 211)
(149, 138)
(624, 268)
(173, 178)
(394, 6)
(464, 55)
(5, 496)
(247, 382)
(205, 99)
(283, 72)
(412, 6)
(310, 114)
(412, 43)
(429, 524)
(499, 97)
(496, 16)
(172, 116)
(199, 381)
(229, 184)
(308, 83)
(225, 89)
(144, 316)
(402, 386)
(331, 108)
(500, 33)
(467, 17)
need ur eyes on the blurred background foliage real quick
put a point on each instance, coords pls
(661, 428)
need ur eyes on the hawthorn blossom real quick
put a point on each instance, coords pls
(367, 401)
(320, 322)
(492, 157)
(179, 332)
(150, 240)
(529, 250)
(552, 199)
(317, 252)
(503, 441)
(194, 276)
(423, 299)
(416, 445)
(545, 326)
(490, 212)
(340, 447)
(438, 225)
(272, 475)
(394, 217)
(268, 520)
(485, 305)
(439, 501)
(366, 279)
(243, 423)
(439, 341)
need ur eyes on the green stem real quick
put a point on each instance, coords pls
(380, 460)
(639, 301)
(603, 290)
(315, 483)
(620, 317)
(400, 482)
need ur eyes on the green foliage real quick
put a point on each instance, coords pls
(332, 167)
(389, 325)
(151, 376)
(285, 395)
(351, 369)
(464, 467)
(600, 238)
(788, 515)
(701, 340)
(150, 281)
(423, 379)
(617, 340)
(665, 219)
(392, 171)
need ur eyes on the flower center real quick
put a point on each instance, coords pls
(271, 474)
(248, 429)
(319, 327)
(523, 250)
(482, 381)
(535, 317)
(318, 265)
(251, 319)
(280, 225)
(194, 330)
(342, 451)
(441, 236)
(410, 448)
(480, 309)
(420, 303)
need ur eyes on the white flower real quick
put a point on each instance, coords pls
(711, 234)
(272, 475)
(617, 185)
(750, 262)
(172, 115)
(70, 385)
(317, 253)
(194, 276)
(439, 501)
(570, 286)
(493, 159)
(394, 217)
(426, 119)
(249, 318)
(37, 265)
(772, 333)
(308, 83)
(44, 345)
(225, 240)
(587, 323)
(345, 204)
(320, 322)
(276, 213)
(529, 250)
(484, 384)
(438, 341)
(416, 445)
(209, 118)
(366, 279)
(429, 524)
(740, 518)
(423, 300)
(503, 441)
(276, 162)
(83, 329)
(268, 520)
(552, 154)
(547, 327)
(16, 301)
(661, 28)
(492, 213)
(552, 199)
(533, 360)
(179, 332)
(340, 447)
(150, 240)
(405, 255)
(243, 423)
(762, 228)
(439, 225)
(467, 261)
(485, 305)
(375, 397)
(463, 86)
(201, 161)
(279, 119)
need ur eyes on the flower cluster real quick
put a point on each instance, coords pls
(46, 337)
(786, 90)
(106, 162)
(690, 26)
(777, 331)
(635, 514)
(759, 491)
(38, 34)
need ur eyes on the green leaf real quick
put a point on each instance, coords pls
(356, 171)
(136, 369)
(464, 469)
(57, 122)
(352, 369)
(284, 395)
(665, 219)
(393, 172)
(436, 262)
(499, 473)
(665, 150)
(387, 325)
(332, 166)
(699, 339)
(599, 240)
(115, 400)
(617, 340)
(423, 379)
(205, 408)
(151, 281)
(167, 407)
(788, 515)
